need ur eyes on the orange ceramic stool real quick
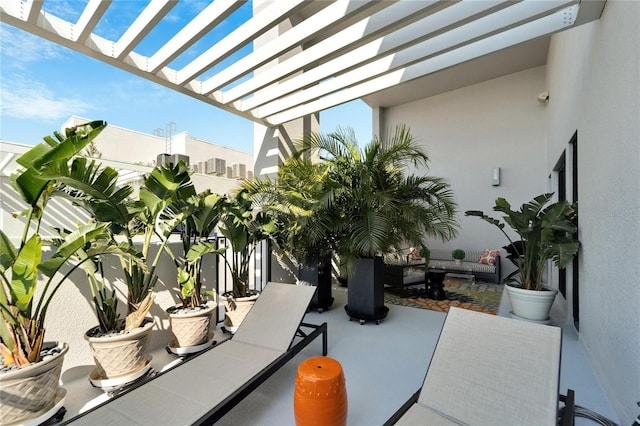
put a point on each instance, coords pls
(320, 398)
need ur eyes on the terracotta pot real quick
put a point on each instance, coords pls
(121, 354)
(192, 327)
(531, 305)
(30, 391)
(236, 310)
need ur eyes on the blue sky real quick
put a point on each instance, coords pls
(42, 84)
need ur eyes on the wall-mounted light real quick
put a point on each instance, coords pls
(495, 176)
(543, 97)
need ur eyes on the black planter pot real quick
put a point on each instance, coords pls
(365, 291)
(321, 278)
(435, 288)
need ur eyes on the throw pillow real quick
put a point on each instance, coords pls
(488, 257)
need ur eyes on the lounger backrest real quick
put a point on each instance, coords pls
(274, 319)
(489, 370)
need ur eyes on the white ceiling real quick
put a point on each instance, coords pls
(386, 52)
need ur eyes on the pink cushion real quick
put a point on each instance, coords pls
(488, 257)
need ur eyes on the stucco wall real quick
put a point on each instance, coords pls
(467, 132)
(593, 77)
(594, 82)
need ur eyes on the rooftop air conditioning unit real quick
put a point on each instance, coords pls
(229, 172)
(200, 167)
(163, 159)
(220, 166)
(239, 171)
(216, 166)
(175, 158)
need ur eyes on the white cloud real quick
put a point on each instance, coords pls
(22, 48)
(26, 99)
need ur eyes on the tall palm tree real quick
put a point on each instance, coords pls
(372, 200)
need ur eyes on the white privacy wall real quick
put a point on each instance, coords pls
(594, 81)
(467, 132)
(593, 78)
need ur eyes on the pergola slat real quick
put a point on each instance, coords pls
(534, 29)
(254, 27)
(298, 35)
(144, 23)
(90, 17)
(209, 18)
(518, 13)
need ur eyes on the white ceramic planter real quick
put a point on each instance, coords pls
(531, 304)
(30, 391)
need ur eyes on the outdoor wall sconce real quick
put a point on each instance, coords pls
(495, 176)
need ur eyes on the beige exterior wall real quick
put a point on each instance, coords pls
(467, 132)
(593, 78)
(594, 83)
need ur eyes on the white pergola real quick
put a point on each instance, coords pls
(328, 53)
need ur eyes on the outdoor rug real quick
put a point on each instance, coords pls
(475, 296)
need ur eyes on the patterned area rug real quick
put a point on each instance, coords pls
(475, 296)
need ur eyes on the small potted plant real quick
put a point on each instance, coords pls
(547, 232)
(243, 227)
(458, 255)
(191, 320)
(31, 366)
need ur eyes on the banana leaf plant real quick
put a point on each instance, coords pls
(243, 227)
(200, 223)
(23, 310)
(547, 232)
(152, 217)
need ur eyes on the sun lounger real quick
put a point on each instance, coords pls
(208, 385)
(489, 370)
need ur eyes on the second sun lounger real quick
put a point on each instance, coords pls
(489, 370)
(207, 386)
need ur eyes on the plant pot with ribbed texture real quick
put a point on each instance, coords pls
(121, 354)
(237, 308)
(30, 391)
(192, 326)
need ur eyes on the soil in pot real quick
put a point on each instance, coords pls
(30, 391)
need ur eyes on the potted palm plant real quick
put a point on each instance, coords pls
(120, 346)
(31, 367)
(374, 205)
(192, 319)
(243, 228)
(547, 232)
(303, 235)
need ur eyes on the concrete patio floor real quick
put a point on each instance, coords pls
(383, 365)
